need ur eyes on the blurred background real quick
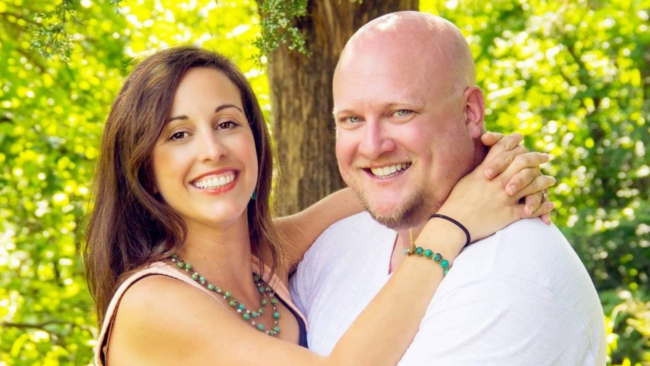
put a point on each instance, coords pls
(572, 76)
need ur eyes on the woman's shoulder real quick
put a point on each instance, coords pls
(159, 312)
(159, 294)
(155, 303)
(145, 287)
(152, 293)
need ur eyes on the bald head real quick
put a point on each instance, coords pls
(413, 39)
(408, 115)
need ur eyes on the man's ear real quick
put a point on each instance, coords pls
(474, 111)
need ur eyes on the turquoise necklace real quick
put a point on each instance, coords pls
(246, 314)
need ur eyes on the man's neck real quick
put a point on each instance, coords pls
(402, 242)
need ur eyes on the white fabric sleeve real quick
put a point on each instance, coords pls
(296, 293)
(499, 320)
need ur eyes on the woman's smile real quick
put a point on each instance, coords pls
(216, 182)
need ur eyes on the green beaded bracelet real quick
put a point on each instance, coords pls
(429, 254)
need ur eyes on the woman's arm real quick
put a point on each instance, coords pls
(302, 229)
(166, 322)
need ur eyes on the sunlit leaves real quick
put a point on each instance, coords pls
(278, 18)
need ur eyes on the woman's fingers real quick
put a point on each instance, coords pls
(532, 202)
(522, 179)
(502, 161)
(543, 209)
(504, 144)
(535, 190)
(520, 163)
(490, 138)
(547, 218)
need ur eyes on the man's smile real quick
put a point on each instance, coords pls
(387, 171)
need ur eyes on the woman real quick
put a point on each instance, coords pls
(182, 218)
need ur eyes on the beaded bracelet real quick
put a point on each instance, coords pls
(428, 254)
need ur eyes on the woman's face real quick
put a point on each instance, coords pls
(205, 163)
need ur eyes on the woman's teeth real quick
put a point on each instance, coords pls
(214, 182)
(389, 170)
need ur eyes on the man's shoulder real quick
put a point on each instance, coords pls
(526, 248)
(525, 239)
(539, 247)
(534, 235)
(532, 252)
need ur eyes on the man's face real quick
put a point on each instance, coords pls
(402, 143)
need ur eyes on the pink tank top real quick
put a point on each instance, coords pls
(164, 269)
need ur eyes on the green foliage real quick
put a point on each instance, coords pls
(50, 111)
(628, 325)
(572, 76)
(278, 26)
(50, 36)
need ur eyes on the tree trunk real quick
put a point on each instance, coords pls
(301, 98)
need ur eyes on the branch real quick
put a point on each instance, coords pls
(570, 48)
(40, 326)
(6, 15)
(17, 35)
(32, 59)
(31, 325)
(564, 75)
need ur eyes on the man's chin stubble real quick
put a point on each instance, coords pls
(408, 215)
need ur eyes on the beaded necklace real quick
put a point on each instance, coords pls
(247, 314)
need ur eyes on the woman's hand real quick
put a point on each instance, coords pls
(508, 149)
(485, 207)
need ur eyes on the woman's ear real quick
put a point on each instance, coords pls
(474, 111)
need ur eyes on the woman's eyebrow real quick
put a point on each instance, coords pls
(224, 106)
(218, 109)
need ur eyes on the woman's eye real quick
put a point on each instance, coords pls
(403, 112)
(228, 125)
(178, 136)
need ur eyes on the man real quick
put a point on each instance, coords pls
(409, 120)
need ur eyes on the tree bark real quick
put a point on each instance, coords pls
(301, 98)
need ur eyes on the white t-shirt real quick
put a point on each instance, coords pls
(519, 297)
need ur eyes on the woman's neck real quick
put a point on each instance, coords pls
(222, 254)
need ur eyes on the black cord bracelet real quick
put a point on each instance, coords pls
(469, 239)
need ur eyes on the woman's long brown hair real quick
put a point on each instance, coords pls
(130, 227)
